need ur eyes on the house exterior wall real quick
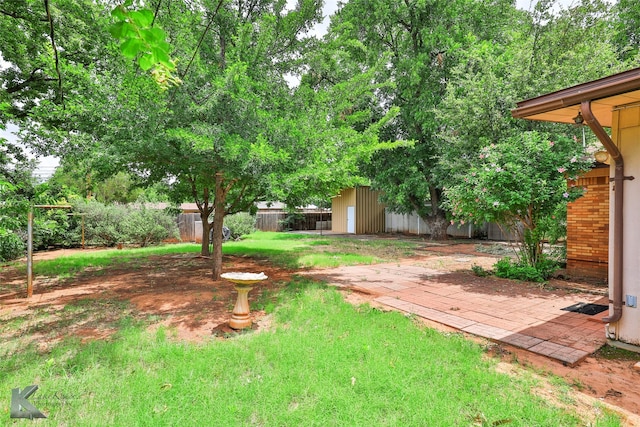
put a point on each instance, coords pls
(626, 135)
(347, 197)
(588, 226)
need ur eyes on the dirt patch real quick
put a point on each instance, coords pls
(172, 291)
(612, 382)
(177, 292)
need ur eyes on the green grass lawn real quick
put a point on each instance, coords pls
(324, 362)
(288, 250)
(300, 250)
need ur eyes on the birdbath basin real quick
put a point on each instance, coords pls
(243, 283)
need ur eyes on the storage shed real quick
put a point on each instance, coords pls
(358, 211)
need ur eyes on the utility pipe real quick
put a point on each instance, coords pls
(618, 180)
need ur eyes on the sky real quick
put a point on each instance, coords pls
(48, 164)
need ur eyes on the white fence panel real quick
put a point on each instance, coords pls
(413, 224)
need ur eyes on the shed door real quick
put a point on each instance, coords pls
(351, 219)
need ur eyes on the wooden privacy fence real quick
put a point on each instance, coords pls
(281, 221)
(190, 225)
(187, 226)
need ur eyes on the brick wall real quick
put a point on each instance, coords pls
(588, 226)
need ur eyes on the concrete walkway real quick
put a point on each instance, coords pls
(520, 314)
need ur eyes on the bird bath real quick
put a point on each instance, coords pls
(243, 283)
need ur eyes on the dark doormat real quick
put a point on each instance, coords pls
(585, 308)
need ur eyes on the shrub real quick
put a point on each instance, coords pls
(52, 227)
(11, 245)
(520, 184)
(479, 271)
(144, 226)
(292, 221)
(547, 266)
(240, 224)
(111, 224)
(102, 223)
(520, 270)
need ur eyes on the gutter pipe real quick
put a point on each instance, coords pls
(618, 181)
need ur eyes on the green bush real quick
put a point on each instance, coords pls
(108, 225)
(11, 245)
(240, 224)
(53, 227)
(479, 271)
(103, 224)
(547, 266)
(144, 226)
(291, 220)
(518, 270)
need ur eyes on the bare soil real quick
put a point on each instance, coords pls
(177, 291)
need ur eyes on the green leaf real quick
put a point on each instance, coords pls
(119, 13)
(164, 46)
(131, 47)
(142, 18)
(153, 35)
(161, 55)
(158, 34)
(127, 31)
(147, 35)
(147, 61)
(116, 29)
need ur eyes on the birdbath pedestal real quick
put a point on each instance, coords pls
(243, 283)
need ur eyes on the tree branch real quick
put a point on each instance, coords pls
(234, 205)
(16, 16)
(55, 51)
(155, 14)
(195, 51)
(33, 77)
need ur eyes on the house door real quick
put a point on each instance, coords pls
(351, 219)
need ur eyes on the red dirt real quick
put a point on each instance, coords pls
(177, 292)
(176, 289)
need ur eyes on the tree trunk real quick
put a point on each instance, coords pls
(437, 219)
(205, 211)
(204, 250)
(438, 225)
(218, 221)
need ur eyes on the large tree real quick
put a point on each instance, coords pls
(236, 133)
(414, 45)
(232, 132)
(499, 170)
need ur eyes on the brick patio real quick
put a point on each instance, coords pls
(519, 314)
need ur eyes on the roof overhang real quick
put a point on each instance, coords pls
(605, 94)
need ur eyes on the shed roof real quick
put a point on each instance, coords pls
(605, 94)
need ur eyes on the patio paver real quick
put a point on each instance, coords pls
(517, 314)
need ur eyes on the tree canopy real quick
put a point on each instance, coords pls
(229, 102)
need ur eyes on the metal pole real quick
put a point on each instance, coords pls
(30, 253)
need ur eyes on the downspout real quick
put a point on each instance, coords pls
(618, 188)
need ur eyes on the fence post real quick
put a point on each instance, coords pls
(30, 253)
